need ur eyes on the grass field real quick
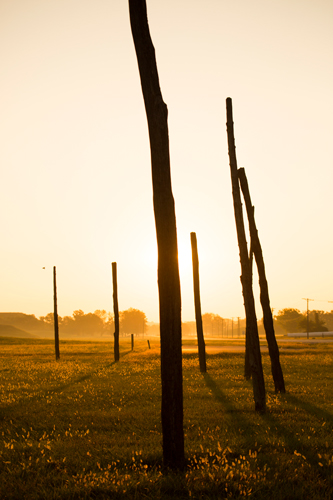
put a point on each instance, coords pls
(85, 427)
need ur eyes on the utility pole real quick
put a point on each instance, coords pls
(307, 316)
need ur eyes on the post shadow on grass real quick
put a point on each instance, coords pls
(239, 420)
(290, 439)
(218, 393)
(314, 410)
(59, 388)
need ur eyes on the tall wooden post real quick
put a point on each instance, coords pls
(115, 311)
(246, 277)
(166, 235)
(273, 348)
(55, 315)
(197, 304)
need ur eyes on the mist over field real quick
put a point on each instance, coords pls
(100, 325)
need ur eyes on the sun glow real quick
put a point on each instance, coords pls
(184, 255)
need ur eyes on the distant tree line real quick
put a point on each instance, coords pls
(100, 323)
(293, 321)
(97, 324)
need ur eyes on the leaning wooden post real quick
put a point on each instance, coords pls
(166, 235)
(264, 296)
(55, 315)
(197, 304)
(247, 368)
(115, 311)
(246, 277)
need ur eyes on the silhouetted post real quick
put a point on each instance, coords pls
(264, 296)
(197, 304)
(55, 315)
(132, 341)
(166, 234)
(246, 277)
(115, 311)
(247, 368)
(148, 344)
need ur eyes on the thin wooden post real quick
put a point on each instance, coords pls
(115, 311)
(132, 341)
(273, 348)
(148, 344)
(246, 277)
(247, 368)
(197, 304)
(166, 235)
(55, 315)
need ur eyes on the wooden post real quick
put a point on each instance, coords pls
(197, 304)
(246, 277)
(148, 344)
(132, 341)
(55, 315)
(115, 311)
(247, 368)
(264, 296)
(166, 235)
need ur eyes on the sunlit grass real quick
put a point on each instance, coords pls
(86, 427)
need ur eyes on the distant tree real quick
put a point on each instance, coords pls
(68, 324)
(208, 323)
(48, 320)
(109, 326)
(290, 319)
(328, 318)
(77, 314)
(101, 314)
(83, 324)
(188, 328)
(315, 325)
(213, 324)
(133, 321)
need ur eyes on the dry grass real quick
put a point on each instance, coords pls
(85, 427)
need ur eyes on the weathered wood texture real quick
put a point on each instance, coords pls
(55, 315)
(115, 311)
(246, 276)
(166, 234)
(264, 295)
(197, 304)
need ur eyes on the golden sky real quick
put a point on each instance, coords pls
(75, 162)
